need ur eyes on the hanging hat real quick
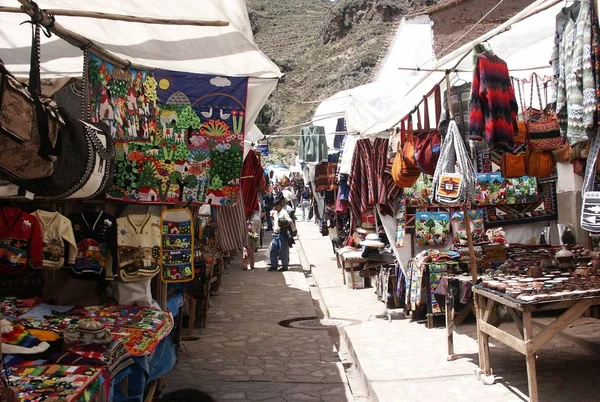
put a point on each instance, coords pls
(372, 240)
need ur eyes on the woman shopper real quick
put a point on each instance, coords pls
(282, 234)
(305, 202)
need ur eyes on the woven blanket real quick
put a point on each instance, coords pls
(178, 136)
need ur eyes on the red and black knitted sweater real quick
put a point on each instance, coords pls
(493, 106)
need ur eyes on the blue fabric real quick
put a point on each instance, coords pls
(280, 249)
(147, 369)
(344, 189)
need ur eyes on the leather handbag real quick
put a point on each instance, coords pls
(543, 134)
(513, 165)
(408, 146)
(403, 175)
(428, 142)
(563, 153)
(590, 210)
(29, 123)
(540, 164)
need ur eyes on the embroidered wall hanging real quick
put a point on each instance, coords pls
(179, 136)
(420, 193)
(400, 222)
(493, 189)
(459, 229)
(436, 271)
(177, 245)
(432, 228)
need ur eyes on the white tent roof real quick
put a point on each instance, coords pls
(526, 45)
(226, 50)
(366, 105)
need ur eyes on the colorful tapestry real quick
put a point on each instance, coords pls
(178, 136)
(432, 228)
(177, 245)
(413, 285)
(400, 222)
(493, 189)
(459, 228)
(420, 194)
(140, 328)
(59, 383)
(436, 272)
(544, 209)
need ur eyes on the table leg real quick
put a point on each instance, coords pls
(352, 274)
(450, 325)
(192, 318)
(530, 358)
(343, 269)
(482, 338)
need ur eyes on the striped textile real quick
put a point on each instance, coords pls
(231, 222)
(252, 172)
(363, 189)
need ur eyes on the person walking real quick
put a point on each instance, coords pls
(305, 203)
(282, 234)
(268, 207)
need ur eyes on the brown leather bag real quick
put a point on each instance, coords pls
(29, 123)
(404, 176)
(513, 165)
(540, 164)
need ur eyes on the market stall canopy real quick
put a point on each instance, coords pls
(524, 42)
(253, 135)
(219, 50)
(364, 106)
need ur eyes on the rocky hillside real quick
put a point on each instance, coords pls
(322, 47)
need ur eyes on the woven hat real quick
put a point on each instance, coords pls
(372, 240)
(89, 331)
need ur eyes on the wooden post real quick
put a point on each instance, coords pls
(473, 261)
(530, 358)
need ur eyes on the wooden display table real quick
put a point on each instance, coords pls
(488, 325)
(346, 258)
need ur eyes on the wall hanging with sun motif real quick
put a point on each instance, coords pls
(179, 136)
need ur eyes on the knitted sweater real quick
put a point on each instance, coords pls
(20, 241)
(58, 239)
(493, 106)
(138, 239)
(576, 99)
(96, 236)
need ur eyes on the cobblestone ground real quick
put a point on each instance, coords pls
(244, 355)
(405, 361)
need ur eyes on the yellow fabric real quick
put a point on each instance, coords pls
(42, 335)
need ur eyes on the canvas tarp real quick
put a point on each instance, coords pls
(229, 50)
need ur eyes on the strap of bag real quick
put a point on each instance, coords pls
(590, 170)
(520, 90)
(437, 99)
(46, 149)
(535, 81)
(427, 126)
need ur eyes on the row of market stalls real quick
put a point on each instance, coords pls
(122, 193)
(450, 182)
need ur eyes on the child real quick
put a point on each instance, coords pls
(249, 249)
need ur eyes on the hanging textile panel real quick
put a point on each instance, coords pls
(545, 209)
(178, 136)
(493, 189)
(436, 272)
(459, 227)
(432, 228)
(177, 245)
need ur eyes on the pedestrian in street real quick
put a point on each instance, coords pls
(282, 234)
(268, 207)
(305, 203)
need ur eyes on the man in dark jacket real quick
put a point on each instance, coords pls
(268, 207)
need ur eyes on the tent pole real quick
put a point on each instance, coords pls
(121, 17)
(75, 39)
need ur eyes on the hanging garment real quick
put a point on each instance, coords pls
(347, 154)
(231, 222)
(96, 236)
(312, 145)
(58, 240)
(252, 172)
(460, 96)
(562, 19)
(493, 107)
(363, 190)
(138, 239)
(576, 100)
(340, 133)
(20, 242)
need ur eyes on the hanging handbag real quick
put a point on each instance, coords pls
(428, 142)
(540, 164)
(29, 123)
(408, 147)
(453, 180)
(521, 134)
(403, 175)
(590, 210)
(563, 153)
(513, 165)
(543, 135)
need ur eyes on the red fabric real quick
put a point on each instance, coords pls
(252, 173)
(493, 107)
(21, 231)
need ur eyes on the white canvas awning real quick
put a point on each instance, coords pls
(228, 50)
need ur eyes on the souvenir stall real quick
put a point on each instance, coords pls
(524, 149)
(105, 159)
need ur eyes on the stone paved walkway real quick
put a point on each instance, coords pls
(405, 361)
(244, 355)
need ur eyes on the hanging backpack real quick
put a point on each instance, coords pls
(428, 141)
(29, 123)
(403, 174)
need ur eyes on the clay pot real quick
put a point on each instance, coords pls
(534, 272)
(564, 254)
